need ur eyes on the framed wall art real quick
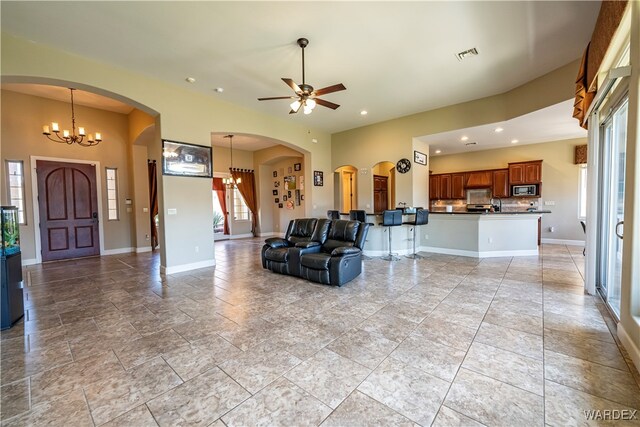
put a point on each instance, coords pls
(318, 178)
(419, 158)
(182, 159)
(297, 167)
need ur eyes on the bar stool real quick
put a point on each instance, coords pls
(333, 214)
(422, 217)
(391, 218)
(360, 215)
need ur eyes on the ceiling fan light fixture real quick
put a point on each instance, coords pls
(307, 110)
(295, 105)
(310, 103)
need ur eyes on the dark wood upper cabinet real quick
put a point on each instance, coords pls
(457, 185)
(445, 186)
(480, 179)
(501, 183)
(434, 187)
(525, 172)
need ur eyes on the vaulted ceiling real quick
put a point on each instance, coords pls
(395, 58)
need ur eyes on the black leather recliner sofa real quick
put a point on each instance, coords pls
(331, 253)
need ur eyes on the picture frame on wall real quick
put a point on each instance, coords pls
(419, 158)
(275, 192)
(290, 182)
(183, 159)
(318, 178)
(276, 184)
(284, 198)
(289, 170)
(280, 205)
(289, 193)
(297, 167)
(277, 200)
(275, 174)
(302, 197)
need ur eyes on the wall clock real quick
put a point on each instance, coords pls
(403, 165)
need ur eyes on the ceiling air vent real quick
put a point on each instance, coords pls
(471, 143)
(467, 53)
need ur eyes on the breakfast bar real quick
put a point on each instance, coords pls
(474, 234)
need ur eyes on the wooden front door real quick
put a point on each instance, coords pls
(68, 205)
(380, 196)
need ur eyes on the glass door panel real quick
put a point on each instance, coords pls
(614, 137)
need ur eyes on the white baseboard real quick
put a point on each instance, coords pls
(117, 251)
(143, 249)
(629, 345)
(562, 242)
(479, 254)
(187, 267)
(271, 234)
(399, 252)
(240, 236)
(30, 261)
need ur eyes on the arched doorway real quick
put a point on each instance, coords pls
(384, 186)
(345, 188)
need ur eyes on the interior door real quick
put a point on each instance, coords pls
(68, 205)
(380, 195)
(614, 137)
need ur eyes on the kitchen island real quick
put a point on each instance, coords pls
(481, 235)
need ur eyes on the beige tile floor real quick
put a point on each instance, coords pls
(440, 341)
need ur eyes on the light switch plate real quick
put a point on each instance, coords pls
(172, 211)
(145, 209)
(549, 203)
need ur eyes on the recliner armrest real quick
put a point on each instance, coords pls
(345, 250)
(307, 244)
(276, 242)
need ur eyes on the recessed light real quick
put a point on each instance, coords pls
(498, 130)
(219, 89)
(514, 141)
(364, 112)
(190, 80)
(464, 138)
(438, 151)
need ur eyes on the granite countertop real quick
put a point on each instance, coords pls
(491, 213)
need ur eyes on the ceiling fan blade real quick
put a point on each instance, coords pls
(326, 103)
(277, 97)
(329, 89)
(292, 85)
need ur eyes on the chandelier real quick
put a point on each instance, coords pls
(230, 182)
(71, 138)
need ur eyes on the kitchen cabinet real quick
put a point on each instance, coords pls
(525, 172)
(480, 179)
(457, 185)
(501, 183)
(445, 186)
(434, 187)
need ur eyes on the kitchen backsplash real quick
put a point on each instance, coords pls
(514, 204)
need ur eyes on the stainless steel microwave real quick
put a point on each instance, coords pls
(524, 190)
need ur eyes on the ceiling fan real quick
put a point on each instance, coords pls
(306, 97)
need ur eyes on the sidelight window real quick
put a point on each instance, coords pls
(15, 179)
(112, 194)
(240, 208)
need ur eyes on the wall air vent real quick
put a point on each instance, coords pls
(471, 143)
(467, 53)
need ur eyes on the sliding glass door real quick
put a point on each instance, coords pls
(612, 173)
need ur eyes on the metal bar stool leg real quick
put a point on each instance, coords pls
(414, 255)
(390, 256)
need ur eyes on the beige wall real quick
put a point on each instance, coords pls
(184, 115)
(22, 119)
(559, 179)
(395, 139)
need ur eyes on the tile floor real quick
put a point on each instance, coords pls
(440, 341)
